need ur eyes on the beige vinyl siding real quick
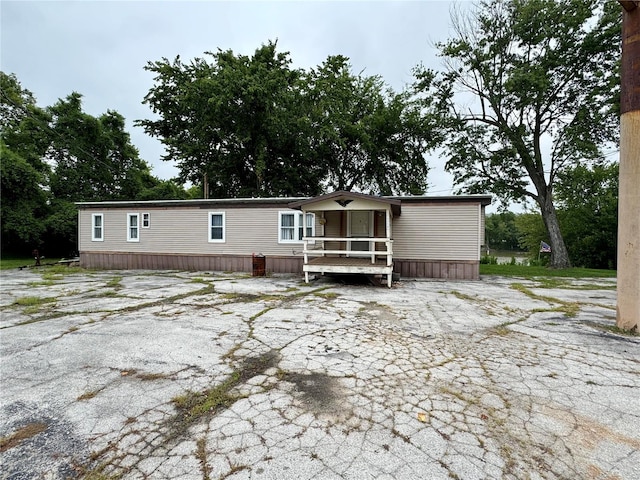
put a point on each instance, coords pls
(438, 232)
(185, 230)
(332, 229)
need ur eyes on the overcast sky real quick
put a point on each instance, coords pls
(99, 49)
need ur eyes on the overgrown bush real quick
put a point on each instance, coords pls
(488, 260)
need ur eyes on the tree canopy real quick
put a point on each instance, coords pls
(529, 90)
(58, 155)
(257, 127)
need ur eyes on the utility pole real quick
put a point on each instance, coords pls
(628, 311)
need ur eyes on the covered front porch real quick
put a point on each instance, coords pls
(354, 234)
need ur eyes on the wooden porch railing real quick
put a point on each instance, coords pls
(388, 252)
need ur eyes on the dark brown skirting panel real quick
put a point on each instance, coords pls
(446, 269)
(156, 261)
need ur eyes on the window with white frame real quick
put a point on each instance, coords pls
(97, 227)
(293, 226)
(133, 231)
(216, 227)
(146, 220)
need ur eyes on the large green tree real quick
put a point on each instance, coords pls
(23, 173)
(501, 232)
(23, 202)
(52, 157)
(93, 157)
(368, 137)
(237, 121)
(529, 90)
(588, 208)
(253, 126)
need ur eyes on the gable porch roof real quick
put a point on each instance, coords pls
(343, 198)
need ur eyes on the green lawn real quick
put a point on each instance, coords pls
(529, 272)
(8, 262)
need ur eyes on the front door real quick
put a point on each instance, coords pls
(360, 226)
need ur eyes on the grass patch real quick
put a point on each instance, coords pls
(195, 404)
(563, 283)
(52, 276)
(23, 433)
(532, 272)
(326, 296)
(570, 309)
(44, 283)
(115, 283)
(8, 262)
(200, 280)
(502, 330)
(62, 270)
(192, 406)
(463, 296)
(614, 329)
(107, 294)
(33, 301)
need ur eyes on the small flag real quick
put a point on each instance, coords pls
(545, 247)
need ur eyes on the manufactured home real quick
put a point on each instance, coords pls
(341, 232)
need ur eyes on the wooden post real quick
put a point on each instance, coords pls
(628, 311)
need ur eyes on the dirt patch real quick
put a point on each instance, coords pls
(320, 392)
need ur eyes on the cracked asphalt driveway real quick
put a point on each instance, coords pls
(182, 375)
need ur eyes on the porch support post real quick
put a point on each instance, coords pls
(388, 244)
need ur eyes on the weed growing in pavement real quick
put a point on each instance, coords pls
(193, 406)
(89, 395)
(566, 284)
(107, 294)
(52, 276)
(62, 270)
(463, 296)
(147, 377)
(44, 283)
(115, 283)
(570, 309)
(33, 301)
(235, 468)
(327, 295)
(614, 329)
(201, 455)
(23, 433)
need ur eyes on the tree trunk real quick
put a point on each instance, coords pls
(559, 253)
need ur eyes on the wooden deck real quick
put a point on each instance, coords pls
(347, 261)
(348, 265)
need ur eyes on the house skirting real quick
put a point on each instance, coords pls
(445, 269)
(167, 261)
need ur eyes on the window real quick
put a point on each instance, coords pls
(132, 227)
(146, 220)
(216, 227)
(293, 226)
(97, 227)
